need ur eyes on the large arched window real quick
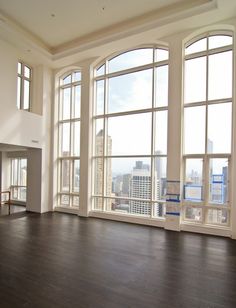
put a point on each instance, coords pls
(69, 140)
(130, 133)
(208, 129)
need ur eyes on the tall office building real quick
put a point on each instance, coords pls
(98, 170)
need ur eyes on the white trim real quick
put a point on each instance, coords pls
(69, 210)
(211, 230)
(128, 218)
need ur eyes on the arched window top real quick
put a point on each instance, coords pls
(210, 41)
(132, 59)
(72, 77)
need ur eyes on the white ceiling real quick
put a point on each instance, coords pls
(56, 22)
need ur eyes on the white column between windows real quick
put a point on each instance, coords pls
(86, 140)
(174, 148)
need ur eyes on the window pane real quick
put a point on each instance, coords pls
(140, 208)
(194, 129)
(195, 80)
(159, 210)
(198, 46)
(23, 172)
(99, 137)
(129, 135)
(99, 106)
(65, 200)
(65, 142)
(193, 189)
(19, 68)
(26, 94)
(131, 59)
(220, 41)
(22, 193)
(98, 176)
(66, 103)
(27, 72)
(76, 144)
(14, 166)
(220, 75)
(77, 101)
(193, 213)
(162, 86)
(76, 180)
(67, 79)
(65, 175)
(18, 92)
(218, 176)
(98, 204)
(217, 216)
(14, 193)
(76, 76)
(219, 128)
(118, 205)
(161, 132)
(161, 55)
(130, 91)
(101, 70)
(160, 164)
(128, 177)
(75, 201)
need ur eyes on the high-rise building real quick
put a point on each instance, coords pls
(98, 176)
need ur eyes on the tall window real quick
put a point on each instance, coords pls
(18, 179)
(69, 140)
(24, 86)
(130, 133)
(207, 129)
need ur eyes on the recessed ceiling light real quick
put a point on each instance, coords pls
(53, 15)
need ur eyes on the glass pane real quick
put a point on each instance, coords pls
(22, 193)
(65, 175)
(193, 213)
(159, 189)
(76, 76)
(219, 128)
(98, 176)
(14, 166)
(140, 208)
(220, 75)
(218, 176)
(99, 106)
(129, 135)
(66, 103)
(98, 204)
(118, 205)
(14, 194)
(26, 94)
(195, 80)
(65, 142)
(18, 92)
(101, 70)
(76, 180)
(23, 172)
(193, 189)
(77, 101)
(161, 132)
(67, 79)
(130, 92)
(128, 177)
(75, 200)
(65, 200)
(194, 129)
(162, 86)
(19, 68)
(162, 55)
(220, 41)
(76, 144)
(99, 137)
(198, 46)
(159, 210)
(217, 216)
(27, 72)
(131, 59)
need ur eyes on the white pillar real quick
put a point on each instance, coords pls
(86, 140)
(174, 126)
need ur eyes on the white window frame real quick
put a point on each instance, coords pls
(20, 90)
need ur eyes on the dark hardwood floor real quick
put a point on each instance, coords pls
(14, 209)
(60, 260)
